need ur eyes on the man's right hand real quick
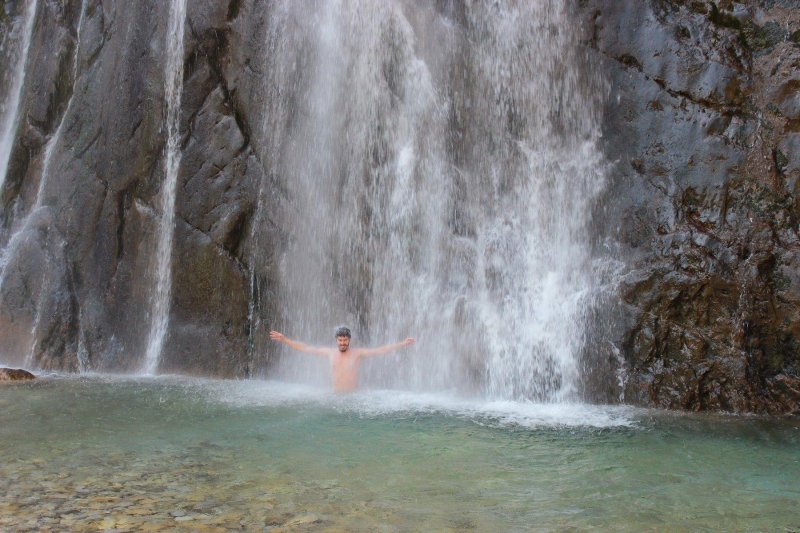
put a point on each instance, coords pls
(276, 336)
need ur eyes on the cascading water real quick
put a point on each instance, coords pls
(17, 45)
(33, 216)
(40, 192)
(440, 168)
(159, 319)
(56, 138)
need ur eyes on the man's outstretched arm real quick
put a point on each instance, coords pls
(299, 346)
(380, 350)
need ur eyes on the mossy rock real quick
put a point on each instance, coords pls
(760, 38)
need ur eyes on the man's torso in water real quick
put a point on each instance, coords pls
(344, 370)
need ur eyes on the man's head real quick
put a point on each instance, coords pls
(343, 338)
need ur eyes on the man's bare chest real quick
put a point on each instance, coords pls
(344, 362)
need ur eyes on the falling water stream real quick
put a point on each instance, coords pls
(441, 168)
(34, 216)
(159, 317)
(19, 44)
(52, 144)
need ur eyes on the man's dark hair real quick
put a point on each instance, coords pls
(343, 331)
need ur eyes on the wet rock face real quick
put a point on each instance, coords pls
(702, 127)
(85, 172)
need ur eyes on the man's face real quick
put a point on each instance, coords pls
(343, 343)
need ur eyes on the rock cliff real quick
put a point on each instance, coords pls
(703, 127)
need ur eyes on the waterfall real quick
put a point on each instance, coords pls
(163, 257)
(440, 165)
(19, 234)
(9, 109)
(52, 143)
(18, 40)
(54, 140)
(39, 202)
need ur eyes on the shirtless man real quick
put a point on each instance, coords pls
(344, 360)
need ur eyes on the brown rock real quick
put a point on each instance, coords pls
(706, 204)
(15, 374)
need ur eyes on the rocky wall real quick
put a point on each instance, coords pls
(702, 127)
(76, 289)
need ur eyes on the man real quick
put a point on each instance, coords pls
(344, 360)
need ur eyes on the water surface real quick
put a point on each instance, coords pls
(88, 453)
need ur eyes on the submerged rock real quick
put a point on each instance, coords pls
(15, 374)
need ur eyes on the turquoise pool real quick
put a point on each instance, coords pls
(149, 454)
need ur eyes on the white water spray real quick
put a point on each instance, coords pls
(441, 169)
(174, 87)
(9, 108)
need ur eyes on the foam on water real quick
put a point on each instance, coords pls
(380, 403)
